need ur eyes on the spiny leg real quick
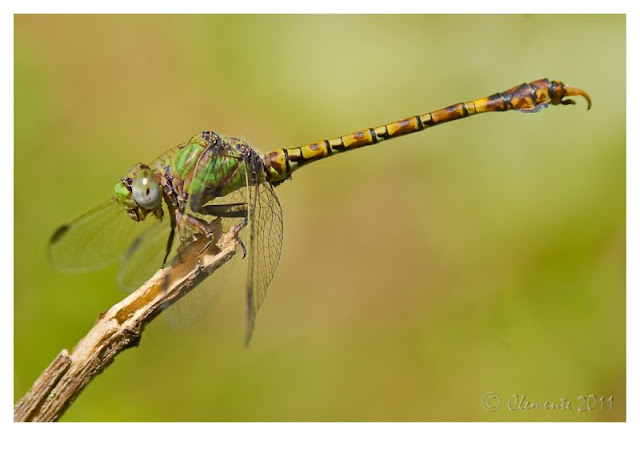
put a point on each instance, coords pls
(234, 210)
(182, 230)
(236, 232)
(200, 226)
(169, 243)
(172, 218)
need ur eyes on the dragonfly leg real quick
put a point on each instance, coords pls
(172, 218)
(200, 226)
(181, 222)
(236, 232)
(169, 244)
(234, 210)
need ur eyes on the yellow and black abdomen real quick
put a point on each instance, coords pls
(527, 97)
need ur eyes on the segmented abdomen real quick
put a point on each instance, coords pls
(528, 97)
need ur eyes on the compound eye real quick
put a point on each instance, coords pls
(145, 189)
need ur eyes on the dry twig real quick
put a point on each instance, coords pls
(120, 328)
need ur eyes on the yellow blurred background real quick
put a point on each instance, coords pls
(483, 256)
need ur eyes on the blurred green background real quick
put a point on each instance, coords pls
(486, 255)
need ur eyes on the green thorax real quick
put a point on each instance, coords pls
(218, 171)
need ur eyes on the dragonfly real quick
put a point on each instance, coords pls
(212, 177)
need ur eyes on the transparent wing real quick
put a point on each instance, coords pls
(265, 240)
(196, 304)
(96, 239)
(192, 307)
(147, 252)
(144, 257)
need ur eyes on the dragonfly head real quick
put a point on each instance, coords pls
(139, 193)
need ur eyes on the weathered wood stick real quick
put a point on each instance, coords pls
(121, 327)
